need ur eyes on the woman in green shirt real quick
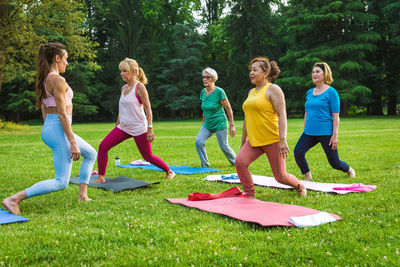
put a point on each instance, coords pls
(213, 101)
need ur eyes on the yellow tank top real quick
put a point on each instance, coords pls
(261, 118)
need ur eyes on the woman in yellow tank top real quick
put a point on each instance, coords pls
(264, 128)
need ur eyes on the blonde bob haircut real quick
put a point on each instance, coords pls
(327, 71)
(129, 64)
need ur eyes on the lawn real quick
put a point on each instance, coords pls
(141, 228)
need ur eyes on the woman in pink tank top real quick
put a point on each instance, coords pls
(132, 120)
(54, 97)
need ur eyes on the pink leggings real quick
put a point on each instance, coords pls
(115, 137)
(248, 154)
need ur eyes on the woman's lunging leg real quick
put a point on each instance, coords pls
(54, 136)
(200, 144)
(89, 158)
(115, 137)
(278, 166)
(304, 144)
(244, 158)
(144, 147)
(222, 137)
(333, 155)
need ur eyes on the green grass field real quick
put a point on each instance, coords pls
(141, 228)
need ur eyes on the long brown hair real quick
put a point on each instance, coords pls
(47, 53)
(266, 65)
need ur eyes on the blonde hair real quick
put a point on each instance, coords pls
(129, 64)
(267, 66)
(327, 71)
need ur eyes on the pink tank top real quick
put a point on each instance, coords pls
(49, 101)
(132, 119)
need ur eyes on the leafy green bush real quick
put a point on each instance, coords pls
(11, 126)
(354, 110)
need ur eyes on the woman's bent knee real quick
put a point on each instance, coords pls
(61, 185)
(240, 163)
(199, 143)
(104, 147)
(298, 153)
(92, 155)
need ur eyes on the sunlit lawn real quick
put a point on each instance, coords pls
(140, 228)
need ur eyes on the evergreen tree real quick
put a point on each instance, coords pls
(135, 29)
(337, 32)
(392, 13)
(177, 85)
(251, 32)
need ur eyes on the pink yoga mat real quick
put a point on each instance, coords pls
(250, 210)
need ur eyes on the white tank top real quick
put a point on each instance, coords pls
(132, 119)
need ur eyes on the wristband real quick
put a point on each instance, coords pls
(150, 126)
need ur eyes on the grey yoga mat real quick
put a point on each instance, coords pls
(116, 185)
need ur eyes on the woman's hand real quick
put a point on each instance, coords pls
(334, 142)
(150, 135)
(283, 148)
(334, 138)
(232, 130)
(75, 153)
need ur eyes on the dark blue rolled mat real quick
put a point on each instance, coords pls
(116, 185)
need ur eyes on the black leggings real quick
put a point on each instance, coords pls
(308, 141)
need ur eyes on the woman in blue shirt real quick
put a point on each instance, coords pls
(321, 122)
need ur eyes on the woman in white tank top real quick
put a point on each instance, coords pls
(134, 120)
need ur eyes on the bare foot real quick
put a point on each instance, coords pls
(170, 175)
(10, 205)
(100, 179)
(351, 173)
(84, 198)
(308, 176)
(301, 190)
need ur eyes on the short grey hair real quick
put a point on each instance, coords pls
(212, 72)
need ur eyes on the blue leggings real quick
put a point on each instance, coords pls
(308, 141)
(222, 137)
(53, 135)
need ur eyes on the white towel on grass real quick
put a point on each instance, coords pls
(312, 220)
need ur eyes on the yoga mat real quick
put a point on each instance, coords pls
(250, 210)
(271, 182)
(116, 185)
(6, 217)
(177, 169)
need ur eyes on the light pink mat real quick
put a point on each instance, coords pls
(250, 210)
(271, 182)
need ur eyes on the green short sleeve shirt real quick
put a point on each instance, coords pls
(214, 114)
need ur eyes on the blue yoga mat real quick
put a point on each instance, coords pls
(6, 217)
(177, 169)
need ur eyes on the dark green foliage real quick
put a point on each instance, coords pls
(251, 33)
(27, 25)
(177, 82)
(337, 32)
(174, 40)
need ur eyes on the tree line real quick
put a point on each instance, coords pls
(173, 40)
